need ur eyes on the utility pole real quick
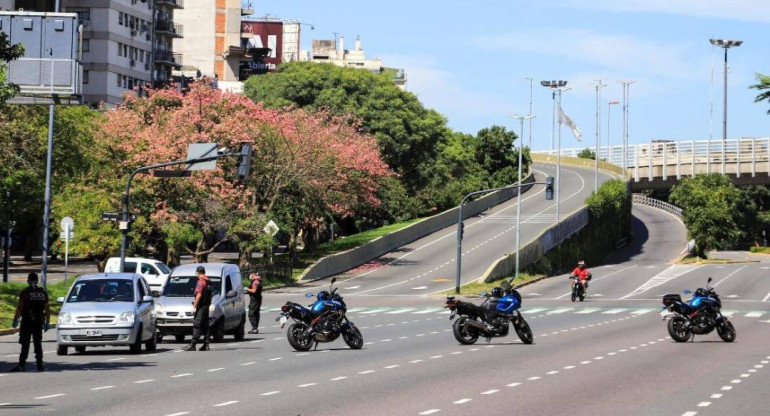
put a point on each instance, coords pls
(518, 196)
(531, 101)
(598, 86)
(626, 98)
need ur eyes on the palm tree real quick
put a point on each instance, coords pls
(763, 85)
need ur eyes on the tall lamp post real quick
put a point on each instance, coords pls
(557, 86)
(518, 203)
(531, 100)
(598, 86)
(626, 97)
(725, 44)
(609, 109)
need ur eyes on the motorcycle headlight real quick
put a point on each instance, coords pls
(65, 319)
(127, 317)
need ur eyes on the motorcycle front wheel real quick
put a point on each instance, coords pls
(353, 338)
(677, 330)
(465, 334)
(726, 331)
(296, 340)
(524, 331)
(574, 293)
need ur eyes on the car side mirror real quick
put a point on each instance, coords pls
(60, 300)
(147, 298)
(155, 294)
(231, 294)
(308, 295)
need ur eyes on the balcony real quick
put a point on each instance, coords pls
(168, 58)
(169, 28)
(176, 4)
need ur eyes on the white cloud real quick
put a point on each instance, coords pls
(745, 10)
(610, 53)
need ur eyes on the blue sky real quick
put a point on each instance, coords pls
(469, 59)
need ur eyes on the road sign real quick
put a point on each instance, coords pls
(66, 236)
(67, 223)
(271, 228)
(199, 151)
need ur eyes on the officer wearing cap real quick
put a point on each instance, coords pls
(201, 311)
(33, 309)
(255, 293)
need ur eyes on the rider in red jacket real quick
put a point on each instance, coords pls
(581, 274)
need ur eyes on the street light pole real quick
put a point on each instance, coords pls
(609, 109)
(599, 85)
(725, 44)
(531, 100)
(626, 98)
(518, 202)
(557, 86)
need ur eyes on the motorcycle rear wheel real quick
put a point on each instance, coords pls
(464, 334)
(677, 331)
(524, 331)
(582, 293)
(353, 338)
(296, 340)
(726, 331)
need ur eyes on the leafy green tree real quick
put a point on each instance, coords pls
(762, 85)
(8, 53)
(709, 204)
(495, 154)
(587, 154)
(753, 213)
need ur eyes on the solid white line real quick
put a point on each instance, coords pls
(461, 401)
(102, 388)
(307, 385)
(402, 310)
(766, 297)
(226, 403)
(614, 311)
(589, 310)
(49, 396)
(144, 381)
(270, 393)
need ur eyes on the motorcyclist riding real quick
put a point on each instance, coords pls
(581, 274)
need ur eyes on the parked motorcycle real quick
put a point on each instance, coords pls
(491, 318)
(578, 290)
(701, 315)
(325, 321)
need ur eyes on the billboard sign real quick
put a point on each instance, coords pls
(264, 34)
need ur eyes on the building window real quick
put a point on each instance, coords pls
(125, 50)
(119, 76)
(141, 56)
(86, 45)
(120, 18)
(85, 76)
(130, 83)
(125, 81)
(120, 49)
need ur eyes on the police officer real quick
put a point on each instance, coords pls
(35, 315)
(201, 311)
(255, 293)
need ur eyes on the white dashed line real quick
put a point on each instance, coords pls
(307, 385)
(338, 378)
(216, 369)
(717, 396)
(534, 378)
(49, 396)
(704, 404)
(226, 403)
(270, 393)
(144, 381)
(415, 361)
(116, 359)
(391, 366)
(276, 359)
(102, 388)
(513, 385)
(179, 414)
(461, 401)
(430, 412)
(366, 372)
(250, 363)
(490, 392)
(181, 375)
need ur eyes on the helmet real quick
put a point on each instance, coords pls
(323, 295)
(582, 264)
(497, 292)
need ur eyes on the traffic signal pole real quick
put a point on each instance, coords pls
(461, 226)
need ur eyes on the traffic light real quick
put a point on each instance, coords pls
(549, 188)
(244, 161)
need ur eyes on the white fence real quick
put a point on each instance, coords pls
(664, 159)
(655, 203)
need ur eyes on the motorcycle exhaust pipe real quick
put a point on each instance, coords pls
(478, 326)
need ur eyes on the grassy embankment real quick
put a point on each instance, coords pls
(9, 297)
(476, 287)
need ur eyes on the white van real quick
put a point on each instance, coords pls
(153, 271)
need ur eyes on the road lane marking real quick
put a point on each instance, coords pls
(430, 412)
(226, 403)
(717, 396)
(704, 404)
(689, 413)
(102, 388)
(216, 369)
(117, 359)
(534, 378)
(754, 314)
(666, 275)
(461, 401)
(490, 392)
(179, 414)
(726, 388)
(338, 378)
(569, 367)
(249, 363)
(50, 396)
(181, 375)
(614, 311)
(307, 385)
(560, 310)
(144, 381)
(589, 310)
(436, 356)
(535, 310)
(392, 366)
(513, 385)
(550, 373)
(270, 393)
(402, 310)
(729, 276)
(276, 359)
(766, 297)
(415, 361)
(366, 372)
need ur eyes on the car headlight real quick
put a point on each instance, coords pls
(127, 317)
(159, 309)
(212, 308)
(65, 319)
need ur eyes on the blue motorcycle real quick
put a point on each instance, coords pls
(701, 315)
(491, 318)
(325, 321)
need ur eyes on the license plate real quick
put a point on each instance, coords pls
(283, 321)
(452, 315)
(93, 332)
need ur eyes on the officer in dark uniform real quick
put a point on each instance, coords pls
(35, 314)
(201, 311)
(255, 293)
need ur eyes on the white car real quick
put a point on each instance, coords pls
(154, 272)
(107, 309)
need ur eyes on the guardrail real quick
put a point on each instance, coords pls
(656, 203)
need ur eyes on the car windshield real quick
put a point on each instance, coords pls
(163, 268)
(184, 286)
(102, 290)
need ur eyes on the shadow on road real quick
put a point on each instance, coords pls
(635, 246)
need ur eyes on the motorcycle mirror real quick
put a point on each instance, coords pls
(308, 295)
(506, 284)
(708, 281)
(484, 294)
(334, 279)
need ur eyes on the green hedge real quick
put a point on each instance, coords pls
(609, 221)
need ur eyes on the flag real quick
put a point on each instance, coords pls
(564, 119)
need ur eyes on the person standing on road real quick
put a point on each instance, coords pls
(201, 311)
(255, 293)
(35, 314)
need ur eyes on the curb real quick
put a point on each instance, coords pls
(11, 331)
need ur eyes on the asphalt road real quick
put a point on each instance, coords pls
(608, 355)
